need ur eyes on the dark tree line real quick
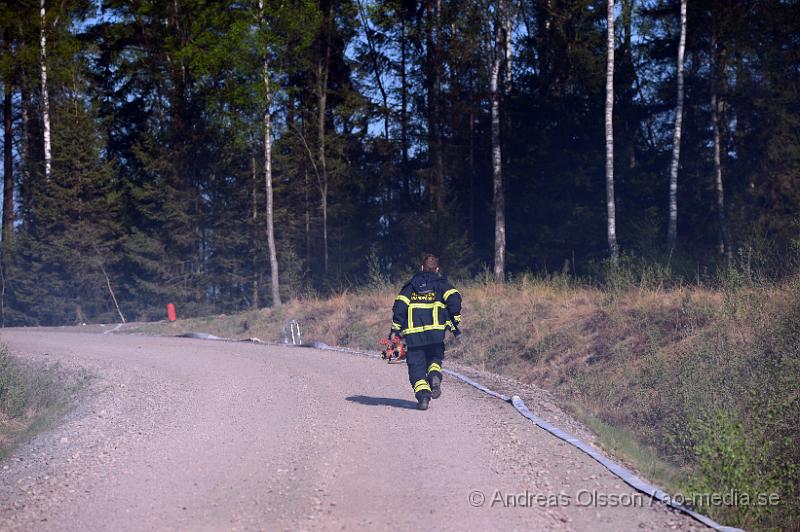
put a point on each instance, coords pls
(224, 155)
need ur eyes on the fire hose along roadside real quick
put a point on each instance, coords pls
(625, 474)
(614, 468)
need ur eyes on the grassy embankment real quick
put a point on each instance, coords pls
(696, 387)
(32, 397)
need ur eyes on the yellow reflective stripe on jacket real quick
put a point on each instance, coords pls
(457, 317)
(396, 326)
(435, 306)
(449, 324)
(403, 298)
(449, 293)
(420, 385)
(424, 328)
(434, 367)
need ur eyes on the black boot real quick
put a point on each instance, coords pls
(422, 402)
(436, 386)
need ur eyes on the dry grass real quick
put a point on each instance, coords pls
(660, 367)
(32, 397)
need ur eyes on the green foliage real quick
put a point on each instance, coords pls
(735, 458)
(378, 280)
(158, 166)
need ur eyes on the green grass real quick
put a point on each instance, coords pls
(33, 396)
(626, 447)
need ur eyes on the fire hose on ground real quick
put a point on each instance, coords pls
(292, 335)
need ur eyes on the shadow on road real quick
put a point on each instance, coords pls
(382, 401)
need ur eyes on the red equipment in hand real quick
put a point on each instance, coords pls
(394, 350)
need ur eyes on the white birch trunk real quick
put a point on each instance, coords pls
(45, 97)
(507, 50)
(273, 254)
(672, 232)
(612, 221)
(496, 54)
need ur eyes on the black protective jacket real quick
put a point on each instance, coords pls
(426, 308)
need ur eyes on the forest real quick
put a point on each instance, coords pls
(230, 155)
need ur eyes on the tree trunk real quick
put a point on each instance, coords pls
(717, 59)
(672, 233)
(471, 163)
(307, 216)
(404, 105)
(612, 221)
(8, 153)
(496, 54)
(507, 51)
(628, 77)
(45, 97)
(24, 152)
(439, 135)
(323, 68)
(273, 254)
(254, 217)
(433, 88)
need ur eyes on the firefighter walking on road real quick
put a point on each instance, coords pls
(427, 307)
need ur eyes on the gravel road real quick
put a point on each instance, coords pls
(182, 434)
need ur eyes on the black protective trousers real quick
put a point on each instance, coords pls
(424, 361)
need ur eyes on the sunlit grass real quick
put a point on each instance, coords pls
(643, 364)
(32, 397)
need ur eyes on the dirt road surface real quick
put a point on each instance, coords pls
(181, 434)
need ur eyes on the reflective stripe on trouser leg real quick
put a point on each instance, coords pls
(417, 364)
(422, 386)
(434, 366)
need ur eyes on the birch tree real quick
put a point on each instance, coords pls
(672, 232)
(611, 208)
(45, 97)
(496, 50)
(323, 69)
(267, 124)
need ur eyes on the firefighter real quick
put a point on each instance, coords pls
(427, 307)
